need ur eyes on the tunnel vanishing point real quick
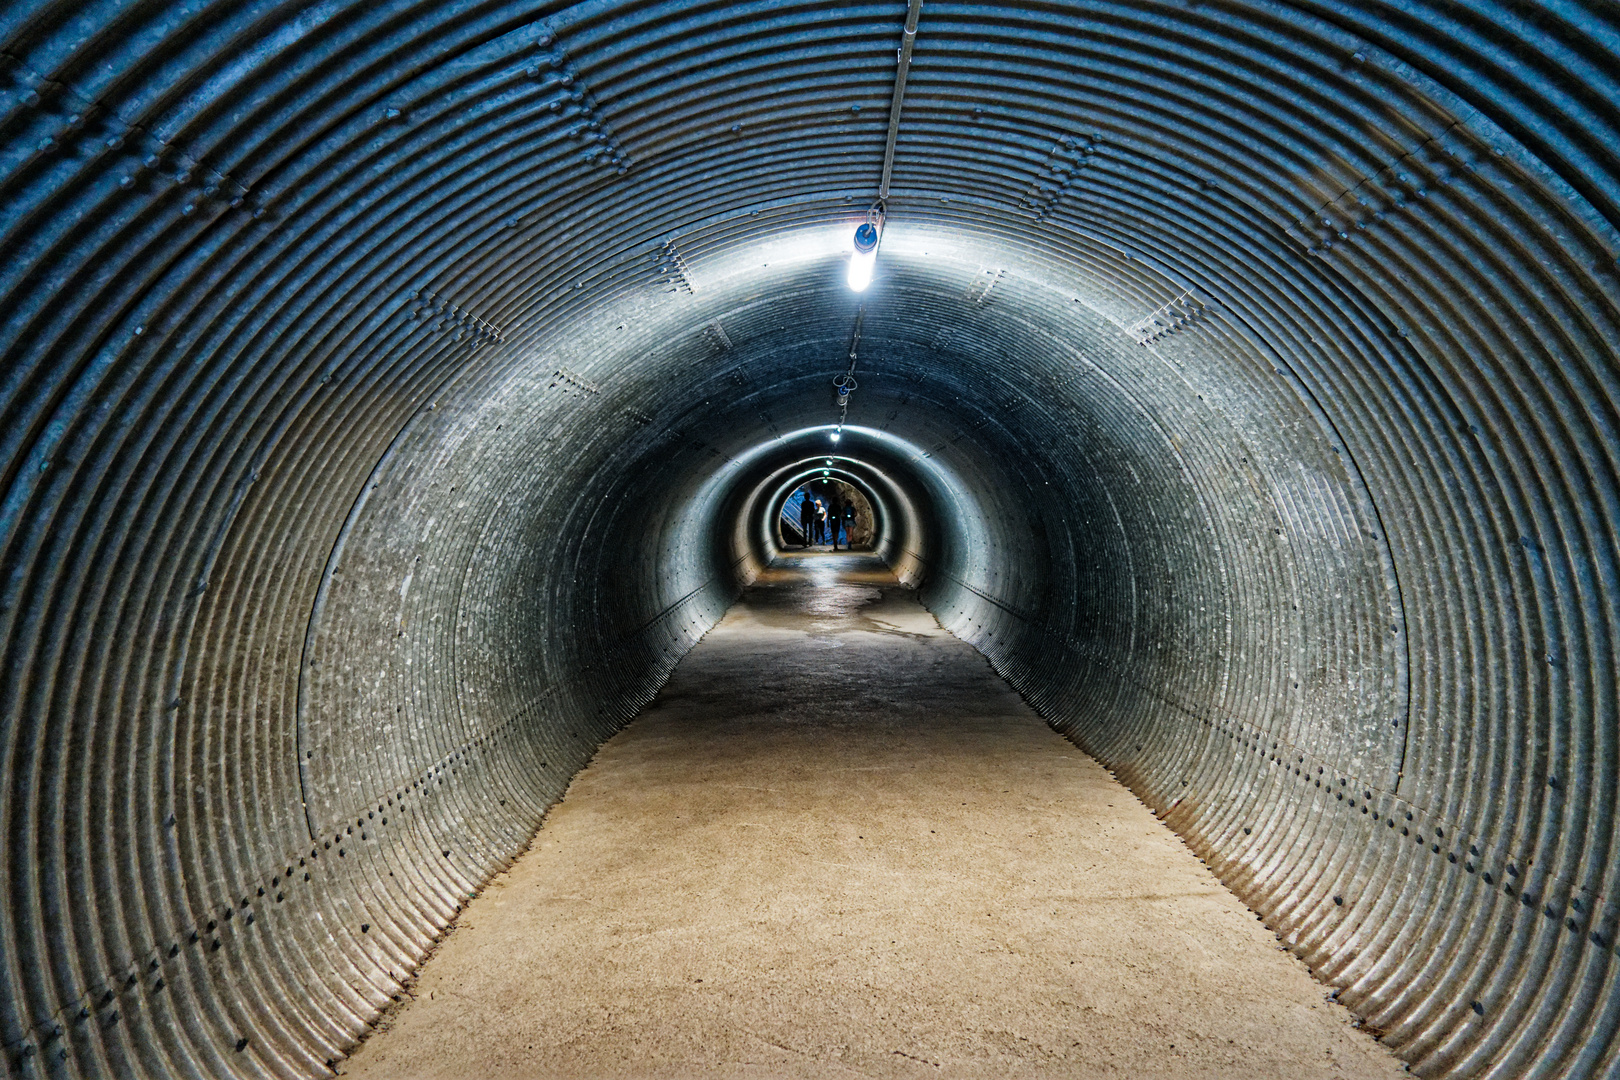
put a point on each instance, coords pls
(393, 392)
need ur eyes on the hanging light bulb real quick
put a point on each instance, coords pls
(835, 436)
(864, 258)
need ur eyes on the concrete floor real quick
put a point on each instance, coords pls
(838, 844)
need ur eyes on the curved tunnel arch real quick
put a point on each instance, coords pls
(918, 503)
(811, 471)
(374, 377)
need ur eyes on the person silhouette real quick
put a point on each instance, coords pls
(807, 517)
(835, 518)
(821, 522)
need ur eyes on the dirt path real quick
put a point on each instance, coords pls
(838, 844)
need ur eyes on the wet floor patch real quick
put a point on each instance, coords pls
(812, 593)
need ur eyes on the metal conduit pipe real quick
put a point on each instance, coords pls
(380, 384)
(902, 68)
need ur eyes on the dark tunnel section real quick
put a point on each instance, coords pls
(392, 393)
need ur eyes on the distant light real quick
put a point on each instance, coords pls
(824, 472)
(864, 258)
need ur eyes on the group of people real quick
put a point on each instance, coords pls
(818, 520)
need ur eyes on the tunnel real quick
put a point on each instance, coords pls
(393, 393)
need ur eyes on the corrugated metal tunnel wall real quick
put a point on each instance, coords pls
(378, 378)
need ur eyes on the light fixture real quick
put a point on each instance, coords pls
(865, 256)
(835, 436)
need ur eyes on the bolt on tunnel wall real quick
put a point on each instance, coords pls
(392, 393)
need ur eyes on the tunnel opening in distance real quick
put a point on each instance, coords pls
(792, 526)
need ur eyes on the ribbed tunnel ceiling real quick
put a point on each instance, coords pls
(389, 390)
